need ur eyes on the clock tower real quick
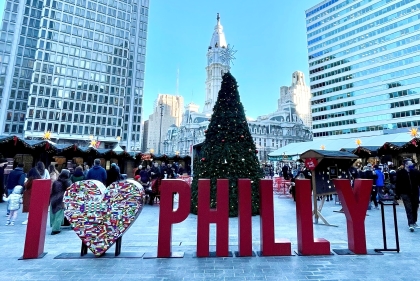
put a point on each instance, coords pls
(218, 63)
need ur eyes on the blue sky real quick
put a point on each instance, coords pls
(269, 35)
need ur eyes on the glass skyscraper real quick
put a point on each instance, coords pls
(364, 62)
(75, 68)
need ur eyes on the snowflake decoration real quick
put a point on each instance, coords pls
(228, 55)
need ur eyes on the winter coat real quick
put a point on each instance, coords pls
(57, 193)
(77, 176)
(408, 183)
(46, 175)
(16, 177)
(97, 173)
(156, 171)
(15, 199)
(380, 180)
(113, 175)
(144, 176)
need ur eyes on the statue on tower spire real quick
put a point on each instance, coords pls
(218, 17)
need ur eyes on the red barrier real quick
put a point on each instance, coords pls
(37, 220)
(245, 218)
(168, 216)
(269, 245)
(307, 245)
(219, 216)
(355, 203)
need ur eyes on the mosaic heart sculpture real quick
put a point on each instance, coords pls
(100, 215)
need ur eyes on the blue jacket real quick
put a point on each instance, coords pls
(380, 180)
(16, 177)
(97, 173)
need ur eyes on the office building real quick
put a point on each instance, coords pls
(75, 68)
(364, 64)
(167, 111)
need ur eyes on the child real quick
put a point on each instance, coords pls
(14, 200)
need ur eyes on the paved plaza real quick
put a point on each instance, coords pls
(142, 237)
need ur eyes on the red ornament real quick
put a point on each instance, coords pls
(203, 159)
(47, 145)
(413, 142)
(15, 139)
(223, 140)
(242, 136)
(74, 147)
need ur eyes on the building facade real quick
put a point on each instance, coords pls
(168, 111)
(364, 64)
(269, 132)
(74, 68)
(301, 97)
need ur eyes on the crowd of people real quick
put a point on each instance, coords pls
(17, 189)
(150, 177)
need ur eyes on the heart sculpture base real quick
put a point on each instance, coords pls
(101, 215)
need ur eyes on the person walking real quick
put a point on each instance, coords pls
(16, 177)
(97, 172)
(33, 174)
(13, 204)
(407, 188)
(56, 200)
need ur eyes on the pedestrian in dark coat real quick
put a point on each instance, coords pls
(113, 174)
(97, 172)
(407, 187)
(56, 200)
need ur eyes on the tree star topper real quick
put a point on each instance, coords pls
(228, 55)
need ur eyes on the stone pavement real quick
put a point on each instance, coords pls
(142, 237)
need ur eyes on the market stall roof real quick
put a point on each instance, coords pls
(337, 144)
(327, 154)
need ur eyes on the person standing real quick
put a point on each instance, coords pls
(285, 171)
(16, 177)
(407, 188)
(42, 171)
(380, 180)
(97, 172)
(56, 200)
(77, 175)
(113, 174)
(53, 173)
(33, 174)
(370, 174)
(3, 165)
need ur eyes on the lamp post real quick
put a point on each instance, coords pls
(160, 128)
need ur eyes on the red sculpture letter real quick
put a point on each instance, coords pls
(169, 216)
(355, 203)
(219, 216)
(269, 245)
(37, 220)
(307, 245)
(245, 218)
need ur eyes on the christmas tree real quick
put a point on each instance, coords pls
(228, 151)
